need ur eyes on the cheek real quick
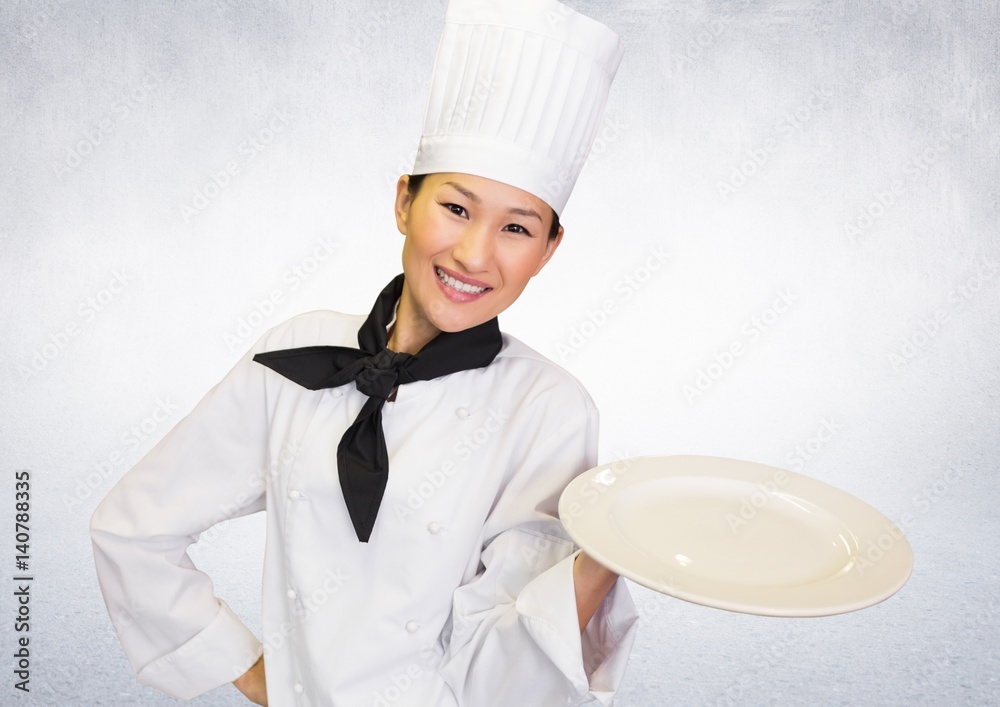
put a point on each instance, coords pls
(432, 237)
(409, 254)
(531, 255)
(418, 246)
(518, 270)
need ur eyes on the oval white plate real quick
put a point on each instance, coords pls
(736, 535)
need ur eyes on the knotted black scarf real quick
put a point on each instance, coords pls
(362, 459)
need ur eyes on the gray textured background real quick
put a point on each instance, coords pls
(844, 154)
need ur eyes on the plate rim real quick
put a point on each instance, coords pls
(900, 549)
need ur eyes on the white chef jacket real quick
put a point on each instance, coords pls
(464, 594)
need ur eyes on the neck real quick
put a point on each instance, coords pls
(410, 333)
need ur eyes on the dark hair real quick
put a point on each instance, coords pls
(413, 187)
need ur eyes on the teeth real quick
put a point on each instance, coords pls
(458, 284)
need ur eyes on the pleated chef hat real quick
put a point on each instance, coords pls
(517, 95)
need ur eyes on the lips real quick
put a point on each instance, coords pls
(460, 285)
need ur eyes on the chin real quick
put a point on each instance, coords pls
(455, 325)
(462, 320)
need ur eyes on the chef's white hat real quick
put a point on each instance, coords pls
(518, 94)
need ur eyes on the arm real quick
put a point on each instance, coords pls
(516, 627)
(210, 468)
(592, 582)
(252, 683)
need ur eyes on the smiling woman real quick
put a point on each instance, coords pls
(428, 536)
(472, 244)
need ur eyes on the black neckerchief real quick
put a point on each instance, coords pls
(362, 459)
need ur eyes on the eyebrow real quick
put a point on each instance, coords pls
(476, 200)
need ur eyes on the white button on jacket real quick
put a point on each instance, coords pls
(494, 596)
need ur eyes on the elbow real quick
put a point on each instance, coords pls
(106, 520)
(98, 527)
(99, 518)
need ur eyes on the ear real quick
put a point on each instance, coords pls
(403, 202)
(550, 248)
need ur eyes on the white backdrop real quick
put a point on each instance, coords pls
(810, 184)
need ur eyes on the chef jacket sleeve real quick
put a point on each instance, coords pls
(515, 635)
(210, 468)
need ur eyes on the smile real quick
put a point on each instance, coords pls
(459, 285)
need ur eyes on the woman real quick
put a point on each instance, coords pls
(411, 461)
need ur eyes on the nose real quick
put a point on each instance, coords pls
(474, 249)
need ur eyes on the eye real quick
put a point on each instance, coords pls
(454, 208)
(518, 228)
